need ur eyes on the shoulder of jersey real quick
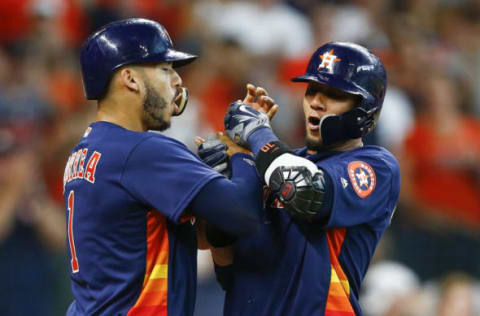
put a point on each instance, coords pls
(157, 136)
(366, 164)
(373, 154)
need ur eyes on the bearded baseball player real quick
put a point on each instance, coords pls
(328, 204)
(132, 195)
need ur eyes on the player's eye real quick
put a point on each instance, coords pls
(167, 67)
(338, 94)
(311, 91)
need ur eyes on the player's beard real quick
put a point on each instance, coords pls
(317, 145)
(155, 110)
(312, 144)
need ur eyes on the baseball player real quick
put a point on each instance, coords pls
(329, 202)
(132, 195)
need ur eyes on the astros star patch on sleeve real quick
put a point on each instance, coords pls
(362, 177)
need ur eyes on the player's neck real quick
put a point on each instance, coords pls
(345, 146)
(124, 114)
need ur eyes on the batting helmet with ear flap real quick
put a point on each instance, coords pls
(124, 42)
(355, 70)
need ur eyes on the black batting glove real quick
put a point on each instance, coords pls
(214, 153)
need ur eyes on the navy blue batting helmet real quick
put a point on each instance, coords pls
(355, 70)
(124, 42)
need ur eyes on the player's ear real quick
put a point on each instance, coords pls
(131, 79)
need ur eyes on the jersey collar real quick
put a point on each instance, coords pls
(316, 157)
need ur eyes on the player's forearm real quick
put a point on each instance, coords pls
(259, 138)
(236, 203)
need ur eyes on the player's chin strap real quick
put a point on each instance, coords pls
(349, 125)
(181, 101)
(295, 181)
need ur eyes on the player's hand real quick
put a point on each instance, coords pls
(232, 148)
(241, 120)
(214, 153)
(258, 98)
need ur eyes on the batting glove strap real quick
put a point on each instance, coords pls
(241, 120)
(267, 154)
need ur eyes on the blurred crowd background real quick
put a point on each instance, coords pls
(428, 262)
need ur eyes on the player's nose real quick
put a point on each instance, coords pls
(176, 79)
(318, 102)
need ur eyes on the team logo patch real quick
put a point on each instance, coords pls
(328, 59)
(362, 177)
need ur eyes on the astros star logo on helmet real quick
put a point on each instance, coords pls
(328, 59)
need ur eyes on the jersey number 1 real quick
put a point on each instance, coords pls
(71, 242)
